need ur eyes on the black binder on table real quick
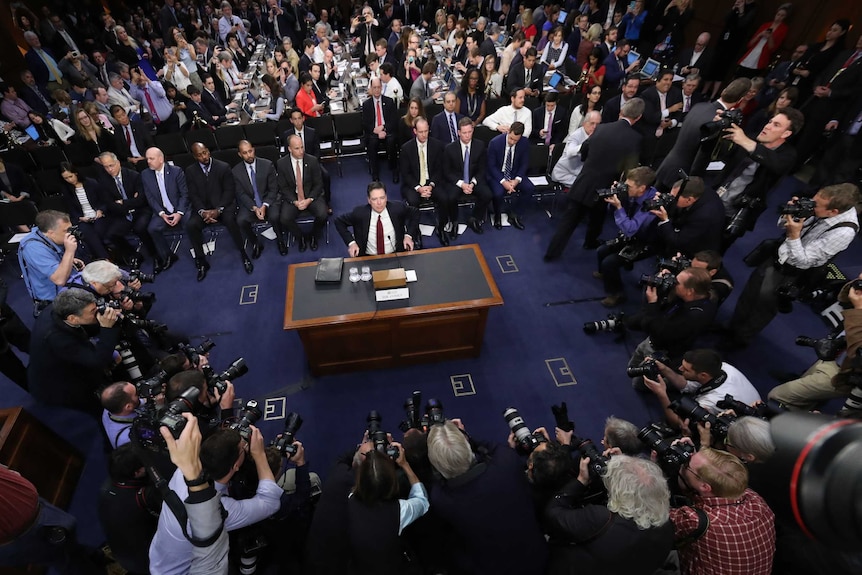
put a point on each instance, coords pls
(329, 270)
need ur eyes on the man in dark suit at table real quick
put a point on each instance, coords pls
(611, 150)
(464, 169)
(195, 110)
(687, 144)
(381, 227)
(212, 194)
(526, 75)
(166, 192)
(311, 144)
(612, 107)
(212, 101)
(257, 196)
(378, 121)
(422, 169)
(132, 138)
(508, 160)
(301, 194)
(123, 196)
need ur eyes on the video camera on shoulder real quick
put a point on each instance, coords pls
(614, 324)
(799, 209)
(284, 442)
(620, 189)
(379, 437)
(714, 129)
(415, 419)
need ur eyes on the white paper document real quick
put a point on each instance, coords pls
(269, 233)
(392, 294)
(716, 166)
(353, 142)
(209, 248)
(426, 230)
(538, 180)
(17, 238)
(411, 275)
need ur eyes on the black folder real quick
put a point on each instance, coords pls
(329, 270)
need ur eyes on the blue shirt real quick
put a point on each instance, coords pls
(40, 257)
(639, 221)
(117, 428)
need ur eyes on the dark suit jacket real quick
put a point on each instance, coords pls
(772, 166)
(410, 163)
(214, 106)
(18, 179)
(496, 156)
(704, 63)
(652, 108)
(36, 65)
(267, 186)
(454, 162)
(73, 205)
(312, 178)
(559, 129)
(202, 112)
(218, 190)
(29, 95)
(846, 85)
(369, 114)
(440, 129)
(487, 48)
(611, 109)
(698, 227)
(60, 46)
(175, 187)
(305, 63)
(517, 78)
(110, 193)
(143, 139)
(696, 98)
(611, 150)
(685, 150)
(405, 220)
(312, 142)
(167, 18)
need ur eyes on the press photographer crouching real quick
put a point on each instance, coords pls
(630, 535)
(72, 351)
(213, 403)
(722, 281)
(674, 322)
(636, 231)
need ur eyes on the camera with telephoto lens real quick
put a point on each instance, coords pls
(670, 457)
(218, 382)
(761, 410)
(662, 283)
(598, 462)
(249, 415)
(714, 129)
(75, 232)
(145, 427)
(172, 416)
(658, 202)
(151, 386)
(675, 264)
(827, 348)
(748, 208)
(416, 419)
(620, 241)
(284, 442)
(149, 325)
(194, 353)
(799, 209)
(144, 278)
(525, 442)
(648, 367)
(378, 437)
(137, 296)
(620, 189)
(687, 408)
(613, 324)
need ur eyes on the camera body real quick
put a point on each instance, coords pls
(827, 348)
(687, 408)
(194, 353)
(151, 387)
(648, 367)
(379, 437)
(218, 381)
(416, 419)
(761, 410)
(658, 202)
(670, 457)
(526, 442)
(144, 278)
(103, 304)
(613, 324)
(620, 189)
(249, 415)
(675, 264)
(799, 209)
(663, 283)
(137, 296)
(714, 129)
(284, 442)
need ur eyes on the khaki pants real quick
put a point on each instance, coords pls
(810, 390)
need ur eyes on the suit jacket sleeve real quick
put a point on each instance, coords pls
(286, 185)
(196, 191)
(243, 198)
(343, 223)
(182, 204)
(316, 189)
(496, 150)
(270, 194)
(406, 159)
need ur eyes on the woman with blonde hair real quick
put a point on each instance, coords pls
(131, 53)
(589, 41)
(491, 78)
(175, 71)
(90, 137)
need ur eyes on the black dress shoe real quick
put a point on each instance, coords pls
(282, 247)
(313, 243)
(247, 265)
(475, 225)
(303, 245)
(257, 250)
(134, 261)
(158, 267)
(498, 222)
(453, 233)
(172, 259)
(591, 244)
(516, 221)
(203, 267)
(443, 237)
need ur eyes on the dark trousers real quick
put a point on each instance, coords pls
(327, 185)
(373, 145)
(610, 262)
(157, 229)
(195, 229)
(575, 212)
(92, 234)
(840, 161)
(518, 200)
(245, 218)
(169, 126)
(289, 214)
(757, 303)
(450, 195)
(13, 332)
(140, 224)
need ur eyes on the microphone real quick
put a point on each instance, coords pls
(394, 249)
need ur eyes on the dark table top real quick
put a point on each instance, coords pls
(447, 279)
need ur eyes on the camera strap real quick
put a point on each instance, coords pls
(713, 383)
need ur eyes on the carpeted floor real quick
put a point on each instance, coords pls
(535, 352)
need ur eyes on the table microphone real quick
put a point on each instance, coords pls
(394, 249)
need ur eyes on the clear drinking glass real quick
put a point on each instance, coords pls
(353, 275)
(366, 273)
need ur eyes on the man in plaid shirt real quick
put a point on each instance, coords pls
(729, 529)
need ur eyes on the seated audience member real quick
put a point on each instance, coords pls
(76, 348)
(311, 144)
(381, 227)
(718, 484)
(631, 534)
(464, 166)
(123, 197)
(213, 103)
(525, 75)
(47, 257)
(301, 184)
(508, 162)
(481, 497)
(550, 121)
(502, 119)
(257, 197)
(444, 126)
(165, 188)
(569, 165)
(694, 222)
(133, 139)
(673, 323)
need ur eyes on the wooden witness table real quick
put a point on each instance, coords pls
(344, 329)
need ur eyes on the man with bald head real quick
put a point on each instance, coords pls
(212, 194)
(698, 59)
(166, 192)
(379, 121)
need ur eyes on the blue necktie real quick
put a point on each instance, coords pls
(452, 129)
(466, 177)
(257, 200)
(507, 167)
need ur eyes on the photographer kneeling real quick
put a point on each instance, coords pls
(212, 407)
(631, 535)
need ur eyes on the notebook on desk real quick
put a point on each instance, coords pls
(328, 270)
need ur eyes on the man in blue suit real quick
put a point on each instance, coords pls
(43, 64)
(165, 188)
(508, 160)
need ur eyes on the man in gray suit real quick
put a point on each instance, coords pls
(685, 150)
(257, 197)
(420, 88)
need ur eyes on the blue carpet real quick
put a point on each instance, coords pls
(534, 355)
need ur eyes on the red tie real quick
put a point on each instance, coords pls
(129, 137)
(379, 114)
(851, 59)
(151, 106)
(381, 247)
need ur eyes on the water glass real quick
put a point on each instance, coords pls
(353, 275)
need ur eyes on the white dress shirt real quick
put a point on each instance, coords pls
(508, 115)
(388, 232)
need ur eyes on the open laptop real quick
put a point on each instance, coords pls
(557, 79)
(650, 69)
(632, 58)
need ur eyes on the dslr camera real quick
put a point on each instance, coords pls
(613, 324)
(145, 427)
(648, 367)
(379, 437)
(284, 442)
(620, 189)
(218, 381)
(762, 410)
(748, 208)
(658, 202)
(249, 415)
(194, 353)
(687, 408)
(712, 130)
(415, 419)
(525, 441)
(675, 264)
(827, 348)
(663, 283)
(144, 278)
(799, 209)
(153, 386)
(75, 232)
(671, 457)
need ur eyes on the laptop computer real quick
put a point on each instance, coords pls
(632, 58)
(558, 78)
(649, 71)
